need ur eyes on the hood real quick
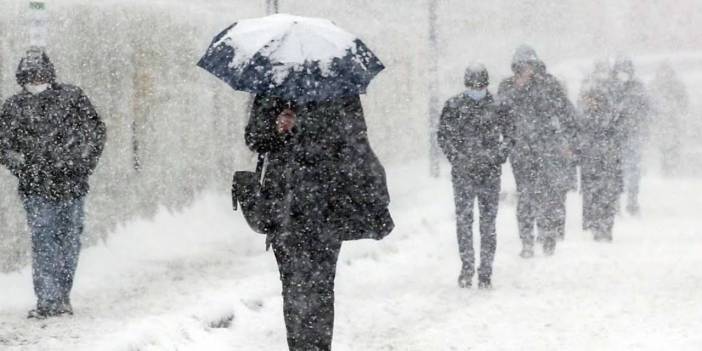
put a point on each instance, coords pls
(35, 65)
(526, 55)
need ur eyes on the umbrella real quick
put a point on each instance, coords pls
(294, 58)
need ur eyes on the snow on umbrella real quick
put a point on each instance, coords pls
(295, 58)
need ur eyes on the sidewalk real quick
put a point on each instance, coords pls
(201, 280)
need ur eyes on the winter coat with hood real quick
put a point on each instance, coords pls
(475, 135)
(600, 138)
(323, 178)
(52, 140)
(545, 123)
(632, 104)
(634, 108)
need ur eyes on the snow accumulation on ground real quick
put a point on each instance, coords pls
(200, 280)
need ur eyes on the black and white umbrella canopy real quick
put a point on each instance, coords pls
(295, 58)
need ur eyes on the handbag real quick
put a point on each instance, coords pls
(246, 194)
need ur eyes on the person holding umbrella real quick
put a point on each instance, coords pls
(322, 181)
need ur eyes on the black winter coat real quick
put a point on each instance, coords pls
(474, 135)
(323, 179)
(601, 140)
(51, 141)
(634, 108)
(545, 129)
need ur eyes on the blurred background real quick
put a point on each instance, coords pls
(174, 131)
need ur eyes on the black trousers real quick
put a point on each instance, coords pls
(541, 203)
(600, 189)
(307, 266)
(486, 188)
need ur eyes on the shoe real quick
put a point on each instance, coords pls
(633, 209)
(549, 246)
(601, 236)
(527, 251)
(65, 308)
(465, 279)
(41, 313)
(484, 283)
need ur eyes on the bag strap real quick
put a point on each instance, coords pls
(261, 166)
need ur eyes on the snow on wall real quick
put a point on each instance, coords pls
(173, 130)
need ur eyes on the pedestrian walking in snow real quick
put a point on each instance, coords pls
(545, 132)
(51, 139)
(671, 104)
(320, 182)
(601, 146)
(634, 108)
(476, 138)
(326, 186)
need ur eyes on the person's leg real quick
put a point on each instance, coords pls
(550, 217)
(632, 174)
(464, 196)
(488, 202)
(307, 270)
(71, 228)
(526, 216)
(42, 218)
(526, 206)
(320, 319)
(587, 196)
(560, 214)
(608, 203)
(288, 256)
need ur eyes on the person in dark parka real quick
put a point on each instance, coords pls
(601, 144)
(476, 138)
(51, 139)
(545, 134)
(634, 108)
(325, 185)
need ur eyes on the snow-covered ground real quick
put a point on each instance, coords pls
(200, 280)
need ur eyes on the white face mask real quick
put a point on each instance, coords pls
(35, 89)
(476, 94)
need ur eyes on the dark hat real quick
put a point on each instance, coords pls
(35, 66)
(623, 64)
(476, 76)
(525, 55)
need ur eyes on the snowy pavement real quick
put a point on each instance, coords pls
(200, 280)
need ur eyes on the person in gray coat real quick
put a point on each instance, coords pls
(601, 145)
(477, 139)
(545, 136)
(634, 108)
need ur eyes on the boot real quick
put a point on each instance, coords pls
(603, 236)
(527, 251)
(484, 282)
(42, 312)
(549, 245)
(465, 279)
(65, 307)
(633, 208)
